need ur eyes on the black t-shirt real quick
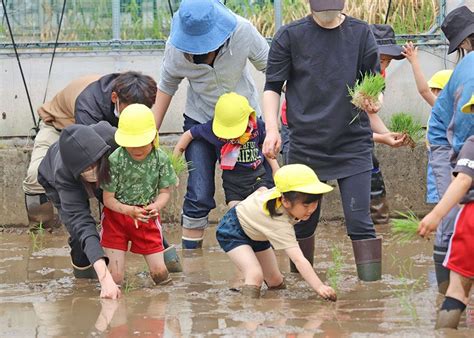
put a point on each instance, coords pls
(465, 164)
(319, 64)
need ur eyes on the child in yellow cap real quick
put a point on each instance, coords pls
(266, 219)
(139, 188)
(238, 136)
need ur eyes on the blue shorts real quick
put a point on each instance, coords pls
(229, 234)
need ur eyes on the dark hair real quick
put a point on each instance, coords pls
(461, 51)
(134, 87)
(292, 197)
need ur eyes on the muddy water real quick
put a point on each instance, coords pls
(40, 297)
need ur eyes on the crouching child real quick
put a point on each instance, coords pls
(264, 220)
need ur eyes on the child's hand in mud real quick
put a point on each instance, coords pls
(327, 293)
(428, 224)
(138, 214)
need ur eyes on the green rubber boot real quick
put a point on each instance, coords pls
(87, 272)
(368, 258)
(172, 259)
(307, 246)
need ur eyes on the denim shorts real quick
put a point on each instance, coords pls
(230, 234)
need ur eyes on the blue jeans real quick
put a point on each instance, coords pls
(199, 198)
(230, 235)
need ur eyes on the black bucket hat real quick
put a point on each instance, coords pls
(385, 37)
(457, 26)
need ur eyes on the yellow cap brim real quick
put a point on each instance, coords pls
(126, 140)
(314, 189)
(467, 108)
(434, 85)
(227, 132)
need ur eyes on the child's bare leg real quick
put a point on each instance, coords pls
(246, 261)
(269, 264)
(457, 296)
(158, 271)
(116, 264)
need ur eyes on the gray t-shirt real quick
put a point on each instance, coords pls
(465, 164)
(319, 64)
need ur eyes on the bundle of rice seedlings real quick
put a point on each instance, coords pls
(368, 88)
(178, 163)
(405, 228)
(405, 123)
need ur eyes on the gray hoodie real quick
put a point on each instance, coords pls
(59, 173)
(229, 74)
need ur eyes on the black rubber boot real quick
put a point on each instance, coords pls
(448, 319)
(307, 246)
(442, 273)
(40, 212)
(191, 243)
(251, 291)
(368, 258)
(172, 259)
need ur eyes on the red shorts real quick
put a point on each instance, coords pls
(461, 246)
(118, 229)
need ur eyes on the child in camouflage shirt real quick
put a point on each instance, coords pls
(140, 178)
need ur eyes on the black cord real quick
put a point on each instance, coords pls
(171, 8)
(54, 50)
(388, 11)
(19, 65)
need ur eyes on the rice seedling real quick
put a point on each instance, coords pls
(36, 235)
(179, 163)
(333, 273)
(408, 285)
(367, 88)
(405, 229)
(407, 125)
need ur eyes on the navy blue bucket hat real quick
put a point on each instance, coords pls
(386, 42)
(201, 26)
(457, 26)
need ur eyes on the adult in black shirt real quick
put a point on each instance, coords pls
(320, 56)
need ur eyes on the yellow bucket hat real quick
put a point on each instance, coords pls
(469, 106)
(136, 127)
(296, 177)
(440, 79)
(231, 116)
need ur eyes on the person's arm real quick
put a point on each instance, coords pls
(273, 164)
(162, 103)
(272, 143)
(382, 134)
(309, 275)
(258, 49)
(108, 288)
(159, 203)
(137, 213)
(183, 143)
(456, 191)
(411, 54)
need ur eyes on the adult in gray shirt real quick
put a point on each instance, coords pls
(209, 46)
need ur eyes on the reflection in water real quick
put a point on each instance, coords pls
(45, 300)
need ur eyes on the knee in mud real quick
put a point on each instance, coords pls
(160, 277)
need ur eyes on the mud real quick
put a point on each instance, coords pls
(40, 297)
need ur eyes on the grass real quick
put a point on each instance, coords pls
(178, 163)
(405, 229)
(36, 235)
(333, 274)
(406, 124)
